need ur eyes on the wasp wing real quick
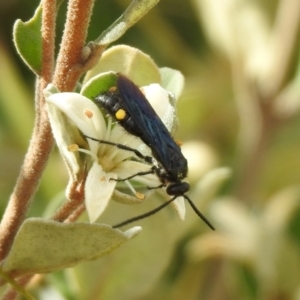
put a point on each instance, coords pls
(153, 131)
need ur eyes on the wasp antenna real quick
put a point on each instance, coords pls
(197, 211)
(147, 214)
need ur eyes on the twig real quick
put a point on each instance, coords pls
(70, 64)
(12, 293)
(75, 203)
(40, 145)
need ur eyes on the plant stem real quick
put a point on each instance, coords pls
(40, 145)
(73, 205)
(70, 64)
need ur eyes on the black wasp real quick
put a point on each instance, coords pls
(129, 107)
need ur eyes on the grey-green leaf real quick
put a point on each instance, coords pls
(132, 62)
(28, 40)
(44, 245)
(172, 80)
(135, 11)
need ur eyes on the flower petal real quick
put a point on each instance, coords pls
(124, 198)
(98, 191)
(75, 107)
(128, 168)
(159, 99)
(179, 205)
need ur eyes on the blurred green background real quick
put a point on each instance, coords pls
(240, 104)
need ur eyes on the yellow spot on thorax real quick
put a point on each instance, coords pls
(120, 114)
(112, 89)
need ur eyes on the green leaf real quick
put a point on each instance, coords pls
(45, 245)
(132, 62)
(28, 40)
(99, 84)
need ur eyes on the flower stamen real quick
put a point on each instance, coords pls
(75, 147)
(137, 194)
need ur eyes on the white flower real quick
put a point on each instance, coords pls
(110, 162)
(257, 238)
